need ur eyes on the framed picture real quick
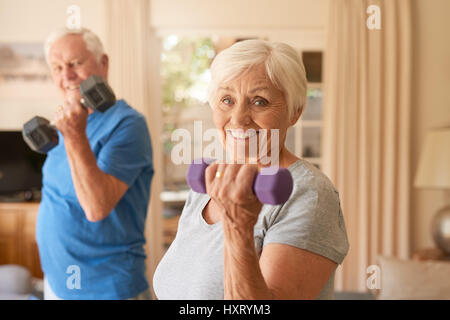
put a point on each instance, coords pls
(26, 87)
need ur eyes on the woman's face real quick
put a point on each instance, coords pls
(251, 101)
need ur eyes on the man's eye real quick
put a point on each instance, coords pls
(75, 64)
(227, 101)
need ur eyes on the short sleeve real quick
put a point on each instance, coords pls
(311, 219)
(127, 150)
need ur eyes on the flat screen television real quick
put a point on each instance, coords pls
(20, 167)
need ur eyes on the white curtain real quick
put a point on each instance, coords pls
(134, 52)
(367, 130)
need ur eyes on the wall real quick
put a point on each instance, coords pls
(300, 23)
(207, 14)
(430, 103)
(31, 21)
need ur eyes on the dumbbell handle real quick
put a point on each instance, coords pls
(272, 189)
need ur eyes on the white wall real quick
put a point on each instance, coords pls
(238, 13)
(300, 23)
(32, 20)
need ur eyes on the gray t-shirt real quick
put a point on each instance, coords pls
(311, 219)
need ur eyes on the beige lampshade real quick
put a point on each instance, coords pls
(434, 164)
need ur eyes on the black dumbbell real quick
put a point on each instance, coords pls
(96, 94)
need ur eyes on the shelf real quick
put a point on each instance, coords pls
(174, 196)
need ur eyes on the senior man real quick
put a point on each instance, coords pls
(96, 185)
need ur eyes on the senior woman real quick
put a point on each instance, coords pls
(231, 246)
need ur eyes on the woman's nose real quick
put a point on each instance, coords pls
(240, 116)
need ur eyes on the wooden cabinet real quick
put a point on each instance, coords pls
(17, 236)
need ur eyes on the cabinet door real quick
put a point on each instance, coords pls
(10, 236)
(17, 237)
(30, 248)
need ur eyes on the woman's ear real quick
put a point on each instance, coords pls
(296, 116)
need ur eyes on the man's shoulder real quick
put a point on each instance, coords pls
(122, 116)
(124, 110)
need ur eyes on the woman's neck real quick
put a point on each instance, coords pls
(285, 159)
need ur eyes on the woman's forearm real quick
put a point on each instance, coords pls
(242, 275)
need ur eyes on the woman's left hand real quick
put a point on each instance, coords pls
(231, 186)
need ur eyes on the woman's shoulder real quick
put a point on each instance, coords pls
(313, 195)
(308, 178)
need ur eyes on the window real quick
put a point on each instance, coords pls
(185, 63)
(304, 139)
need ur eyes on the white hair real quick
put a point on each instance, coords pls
(283, 64)
(92, 41)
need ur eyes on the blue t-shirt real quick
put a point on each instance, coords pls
(104, 259)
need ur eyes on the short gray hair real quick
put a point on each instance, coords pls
(92, 41)
(283, 64)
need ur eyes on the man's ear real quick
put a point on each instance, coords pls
(104, 62)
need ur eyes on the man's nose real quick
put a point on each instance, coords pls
(68, 74)
(240, 116)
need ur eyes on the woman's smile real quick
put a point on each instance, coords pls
(241, 134)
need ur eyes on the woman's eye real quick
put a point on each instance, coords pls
(261, 102)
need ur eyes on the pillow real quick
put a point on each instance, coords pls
(14, 279)
(409, 279)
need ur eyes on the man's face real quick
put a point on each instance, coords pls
(71, 63)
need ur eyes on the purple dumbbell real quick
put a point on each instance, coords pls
(272, 189)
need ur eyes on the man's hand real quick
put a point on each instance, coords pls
(71, 119)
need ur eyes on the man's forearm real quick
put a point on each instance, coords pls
(91, 184)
